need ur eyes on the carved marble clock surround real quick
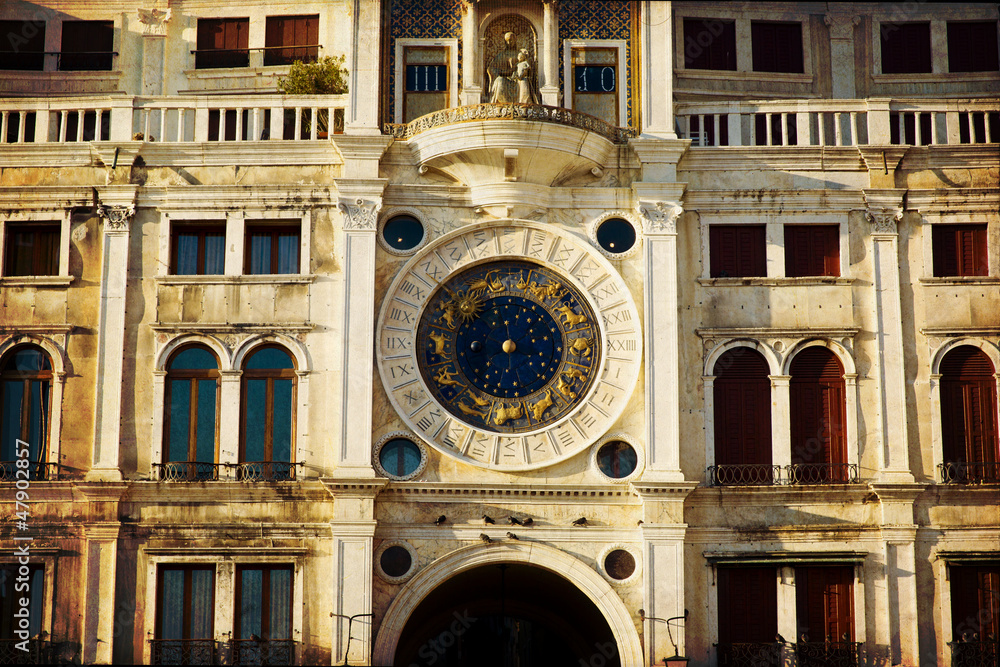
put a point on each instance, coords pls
(413, 295)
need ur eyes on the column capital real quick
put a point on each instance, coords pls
(659, 217)
(154, 21)
(884, 209)
(116, 205)
(360, 213)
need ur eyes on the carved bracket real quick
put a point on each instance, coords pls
(116, 217)
(360, 213)
(659, 217)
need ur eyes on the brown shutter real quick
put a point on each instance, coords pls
(748, 604)
(818, 407)
(968, 406)
(742, 394)
(825, 603)
(722, 250)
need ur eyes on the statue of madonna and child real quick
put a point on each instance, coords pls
(511, 75)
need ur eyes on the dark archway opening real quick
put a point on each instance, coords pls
(510, 615)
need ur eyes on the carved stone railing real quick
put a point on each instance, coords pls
(960, 472)
(839, 122)
(531, 112)
(171, 118)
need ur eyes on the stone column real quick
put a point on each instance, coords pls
(781, 430)
(154, 34)
(664, 590)
(472, 83)
(842, 54)
(659, 221)
(116, 209)
(229, 413)
(362, 105)
(787, 618)
(100, 564)
(657, 44)
(884, 213)
(353, 528)
(549, 84)
(359, 203)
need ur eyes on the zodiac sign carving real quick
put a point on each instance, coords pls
(571, 319)
(488, 282)
(447, 313)
(543, 404)
(575, 373)
(469, 410)
(581, 347)
(439, 341)
(565, 388)
(503, 414)
(446, 378)
(551, 290)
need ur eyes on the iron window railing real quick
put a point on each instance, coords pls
(39, 653)
(803, 654)
(828, 654)
(750, 654)
(754, 474)
(212, 652)
(36, 471)
(199, 471)
(975, 653)
(960, 472)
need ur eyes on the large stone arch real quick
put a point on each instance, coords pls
(585, 578)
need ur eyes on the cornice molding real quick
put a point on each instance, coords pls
(786, 201)
(775, 158)
(45, 197)
(245, 197)
(616, 494)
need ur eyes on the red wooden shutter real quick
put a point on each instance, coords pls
(960, 250)
(748, 604)
(824, 598)
(969, 407)
(722, 250)
(742, 393)
(818, 407)
(975, 600)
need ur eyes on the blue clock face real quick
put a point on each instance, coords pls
(508, 347)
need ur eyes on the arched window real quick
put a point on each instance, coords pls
(742, 396)
(267, 433)
(190, 422)
(818, 419)
(25, 406)
(969, 417)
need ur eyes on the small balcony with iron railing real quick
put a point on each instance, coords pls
(28, 652)
(971, 651)
(249, 471)
(969, 472)
(834, 123)
(781, 653)
(10, 471)
(212, 652)
(797, 474)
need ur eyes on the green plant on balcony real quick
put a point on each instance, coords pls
(326, 76)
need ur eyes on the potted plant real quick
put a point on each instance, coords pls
(326, 76)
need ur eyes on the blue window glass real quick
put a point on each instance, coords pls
(399, 457)
(268, 426)
(191, 408)
(616, 459)
(186, 608)
(25, 393)
(264, 602)
(426, 78)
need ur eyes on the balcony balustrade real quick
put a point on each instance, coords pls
(211, 652)
(756, 474)
(36, 471)
(839, 122)
(828, 654)
(975, 653)
(787, 654)
(171, 118)
(750, 654)
(199, 471)
(960, 472)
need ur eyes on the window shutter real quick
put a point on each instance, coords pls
(748, 604)
(824, 601)
(742, 393)
(968, 406)
(818, 410)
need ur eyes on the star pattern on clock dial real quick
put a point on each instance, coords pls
(505, 368)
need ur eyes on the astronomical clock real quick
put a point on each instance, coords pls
(511, 345)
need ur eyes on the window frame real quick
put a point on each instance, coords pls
(47, 558)
(800, 62)
(886, 28)
(996, 45)
(209, 53)
(274, 228)
(64, 219)
(202, 229)
(714, 251)
(830, 263)
(621, 75)
(266, 568)
(194, 376)
(761, 426)
(399, 69)
(28, 379)
(953, 448)
(187, 568)
(617, 105)
(980, 251)
(269, 375)
(88, 58)
(274, 49)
